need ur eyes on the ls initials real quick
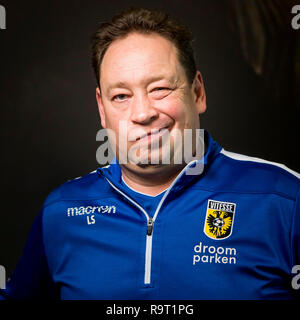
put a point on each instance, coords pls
(90, 219)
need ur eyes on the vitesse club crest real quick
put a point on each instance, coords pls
(219, 219)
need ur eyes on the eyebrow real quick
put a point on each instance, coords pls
(122, 84)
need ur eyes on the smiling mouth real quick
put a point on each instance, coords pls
(144, 136)
(153, 134)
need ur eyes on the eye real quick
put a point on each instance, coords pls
(161, 92)
(161, 89)
(120, 97)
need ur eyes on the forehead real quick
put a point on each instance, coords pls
(138, 58)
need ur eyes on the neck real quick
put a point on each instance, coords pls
(151, 183)
(152, 180)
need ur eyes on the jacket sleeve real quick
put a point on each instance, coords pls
(295, 237)
(31, 279)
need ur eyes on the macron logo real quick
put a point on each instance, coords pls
(79, 211)
(90, 212)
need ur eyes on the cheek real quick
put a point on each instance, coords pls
(182, 111)
(112, 118)
(173, 107)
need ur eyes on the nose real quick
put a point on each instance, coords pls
(142, 111)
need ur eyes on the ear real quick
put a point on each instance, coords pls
(100, 107)
(199, 93)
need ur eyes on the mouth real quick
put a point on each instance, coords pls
(155, 133)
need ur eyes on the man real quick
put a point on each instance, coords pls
(143, 229)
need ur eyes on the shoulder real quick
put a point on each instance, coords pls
(89, 186)
(260, 175)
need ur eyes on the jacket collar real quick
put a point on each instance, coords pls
(113, 171)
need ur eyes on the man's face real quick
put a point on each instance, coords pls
(144, 86)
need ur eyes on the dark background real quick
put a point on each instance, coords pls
(248, 56)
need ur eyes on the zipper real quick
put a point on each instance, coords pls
(150, 227)
(150, 222)
(148, 253)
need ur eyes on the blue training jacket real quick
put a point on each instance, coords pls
(232, 232)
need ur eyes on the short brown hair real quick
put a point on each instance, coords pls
(144, 21)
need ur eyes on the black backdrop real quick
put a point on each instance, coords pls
(49, 114)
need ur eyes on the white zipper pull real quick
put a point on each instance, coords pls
(150, 227)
